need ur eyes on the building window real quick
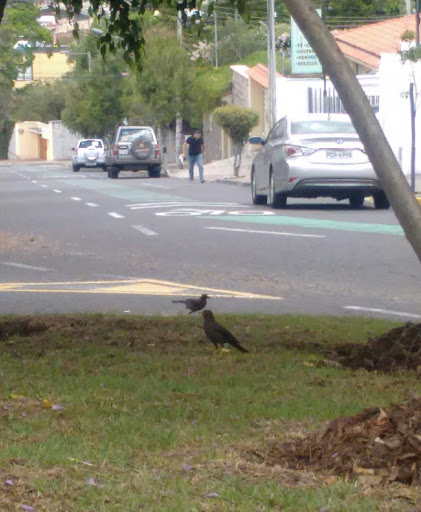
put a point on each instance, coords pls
(26, 74)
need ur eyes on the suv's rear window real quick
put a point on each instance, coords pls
(83, 144)
(130, 134)
(322, 127)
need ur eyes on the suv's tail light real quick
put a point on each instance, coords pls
(290, 150)
(115, 150)
(156, 151)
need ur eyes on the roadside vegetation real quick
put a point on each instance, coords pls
(129, 413)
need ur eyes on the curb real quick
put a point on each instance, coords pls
(231, 182)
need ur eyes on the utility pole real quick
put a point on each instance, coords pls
(178, 119)
(385, 164)
(215, 38)
(408, 9)
(417, 22)
(271, 63)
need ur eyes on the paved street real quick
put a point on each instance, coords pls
(81, 242)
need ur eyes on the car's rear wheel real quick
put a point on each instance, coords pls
(76, 168)
(356, 200)
(276, 199)
(380, 201)
(113, 173)
(256, 198)
(154, 171)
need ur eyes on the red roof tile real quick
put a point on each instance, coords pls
(366, 44)
(260, 74)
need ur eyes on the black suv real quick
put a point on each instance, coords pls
(135, 148)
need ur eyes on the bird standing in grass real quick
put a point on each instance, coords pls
(194, 304)
(217, 334)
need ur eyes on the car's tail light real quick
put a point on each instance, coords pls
(290, 150)
(156, 151)
(292, 179)
(115, 151)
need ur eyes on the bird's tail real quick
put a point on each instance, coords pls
(179, 301)
(241, 349)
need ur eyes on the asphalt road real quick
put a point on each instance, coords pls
(82, 242)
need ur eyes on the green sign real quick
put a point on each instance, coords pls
(303, 58)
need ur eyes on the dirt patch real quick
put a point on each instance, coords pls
(376, 446)
(399, 348)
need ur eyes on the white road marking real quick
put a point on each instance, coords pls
(116, 215)
(76, 198)
(154, 185)
(34, 181)
(91, 204)
(264, 232)
(57, 191)
(21, 265)
(44, 186)
(145, 231)
(144, 206)
(383, 311)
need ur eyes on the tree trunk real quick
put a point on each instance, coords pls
(238, 150)
(6, 131)
(356, 104)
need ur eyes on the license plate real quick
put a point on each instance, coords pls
(123, 151)
(338, 155)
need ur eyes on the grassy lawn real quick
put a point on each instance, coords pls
(112, 413)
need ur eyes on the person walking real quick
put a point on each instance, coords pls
(196, 150)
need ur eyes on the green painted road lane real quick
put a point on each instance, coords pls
(135, 195)
(281, 220)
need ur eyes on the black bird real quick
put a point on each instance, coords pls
(194, 304)
(217, 334)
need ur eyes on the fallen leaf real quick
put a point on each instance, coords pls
(92, 481)
(212, 495)
(363, 471)
(28, 508)
(57, 407)
(9, 482)
(47, 404)
(331, 480)
(186, 467)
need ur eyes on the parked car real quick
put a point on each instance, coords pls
(135, 148)
(89, 153)
(317, 155)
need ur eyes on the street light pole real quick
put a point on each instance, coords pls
(271, 63)
(417, 22)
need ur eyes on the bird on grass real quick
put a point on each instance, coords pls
(194, 304)
(217, 334)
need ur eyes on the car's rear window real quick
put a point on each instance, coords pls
(322, 126)
(130, 134)
(88, 142)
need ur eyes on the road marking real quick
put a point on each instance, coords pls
(130, 287)
(145, 231)
(91, 204)
(264, 232)
(76, 198)
(21, 265)
(116, 215)
(34, 181)
(57, 191)
(195, 212)
(383, 311)
(282, 220)
(44, 186)
(180, 204)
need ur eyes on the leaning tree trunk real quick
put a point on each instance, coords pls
(6, 130)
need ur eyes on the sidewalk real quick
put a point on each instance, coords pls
(220, 171)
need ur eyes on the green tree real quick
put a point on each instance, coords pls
(364, 8)
(94, 91)
(237, 122)
(237, 40)
(19, 23)
(39, 102)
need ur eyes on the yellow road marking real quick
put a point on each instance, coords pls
(130, 287)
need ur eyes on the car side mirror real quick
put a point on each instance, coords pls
(256, 140)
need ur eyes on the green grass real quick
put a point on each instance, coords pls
(155, 420)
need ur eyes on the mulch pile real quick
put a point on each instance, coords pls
(400, 348)
(377, 445)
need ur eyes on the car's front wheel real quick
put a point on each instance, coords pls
(276, 199)
(380, 201)
(356, 200)
(256, 198)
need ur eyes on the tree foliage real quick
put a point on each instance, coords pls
(237, 40)
(364, 8)
(39, 102)
(237, 121)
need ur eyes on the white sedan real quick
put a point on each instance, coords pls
(318, 155)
